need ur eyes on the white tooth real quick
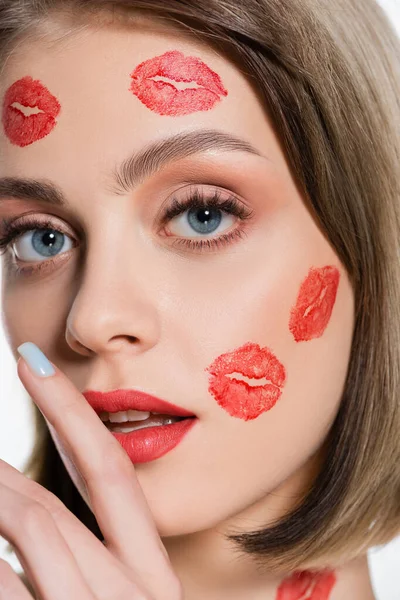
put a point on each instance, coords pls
(124, 416)
(138, 415)
(119, 417)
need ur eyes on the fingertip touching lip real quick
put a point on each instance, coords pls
(122, 400)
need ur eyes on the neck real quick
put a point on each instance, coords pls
(210, 567)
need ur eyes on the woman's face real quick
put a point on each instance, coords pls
(124, 297)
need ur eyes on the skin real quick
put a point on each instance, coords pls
(125, 281)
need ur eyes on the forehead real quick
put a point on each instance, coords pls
(90, 75)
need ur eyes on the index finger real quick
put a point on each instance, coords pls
(114, 492)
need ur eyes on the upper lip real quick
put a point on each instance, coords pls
(124, 400)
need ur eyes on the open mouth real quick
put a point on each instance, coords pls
(148, 438)
(165, 98)
(125, 422)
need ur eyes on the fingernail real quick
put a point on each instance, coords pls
(36, 360)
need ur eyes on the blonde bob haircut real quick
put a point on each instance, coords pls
(328, 75)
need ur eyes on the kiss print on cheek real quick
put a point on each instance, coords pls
(22, 129)
(164, 98)
(304, 585)
(239, 398)
(312, 312)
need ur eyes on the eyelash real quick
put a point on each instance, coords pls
(197, 200)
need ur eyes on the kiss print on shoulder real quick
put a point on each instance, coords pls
(305, 585)
(238, 397)
(312, 312)
(21, 129)
(163, 97)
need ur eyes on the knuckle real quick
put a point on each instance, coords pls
(47, 499)
(33, 517)
(113, 467)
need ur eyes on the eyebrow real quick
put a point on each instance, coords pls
(138, 167)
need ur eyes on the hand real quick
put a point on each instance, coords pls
(60, 556)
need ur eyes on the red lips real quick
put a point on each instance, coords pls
(239, 398)
(317, 295)
(23, 130)
(317, 586)
(164, 98)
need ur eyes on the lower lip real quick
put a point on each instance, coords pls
(147, 444)
(24, 130)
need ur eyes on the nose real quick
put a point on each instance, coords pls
(115, 306)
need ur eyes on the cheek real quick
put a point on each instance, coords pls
(22, 128)
(251, 378)
(33, 312)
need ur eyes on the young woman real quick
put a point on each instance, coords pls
(200, 230)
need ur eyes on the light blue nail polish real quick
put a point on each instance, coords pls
(36, 360)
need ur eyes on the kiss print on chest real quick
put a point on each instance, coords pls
(305, 585)
(22, 125)
(312, 312)
(165, 98)
(242, 399)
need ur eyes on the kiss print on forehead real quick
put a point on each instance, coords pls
(305, 585)
(166, 99)
(238, 397)
(21, 129)
(312, 312)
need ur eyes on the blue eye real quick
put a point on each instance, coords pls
(47, 243)
(200, 221)
(34, 239)
(201, 214)
(204, 219)
(40, 243)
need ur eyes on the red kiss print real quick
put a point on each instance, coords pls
(310, 317)
(236, 396)
(304, 585)
(164, 98)
(23, 130)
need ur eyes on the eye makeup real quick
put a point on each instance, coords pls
(23, 130)
(238, 397)
(200, 204)
(313, 309)
(166, 99)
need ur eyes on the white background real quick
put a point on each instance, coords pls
(16, 437)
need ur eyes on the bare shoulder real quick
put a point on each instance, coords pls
(354, 581)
